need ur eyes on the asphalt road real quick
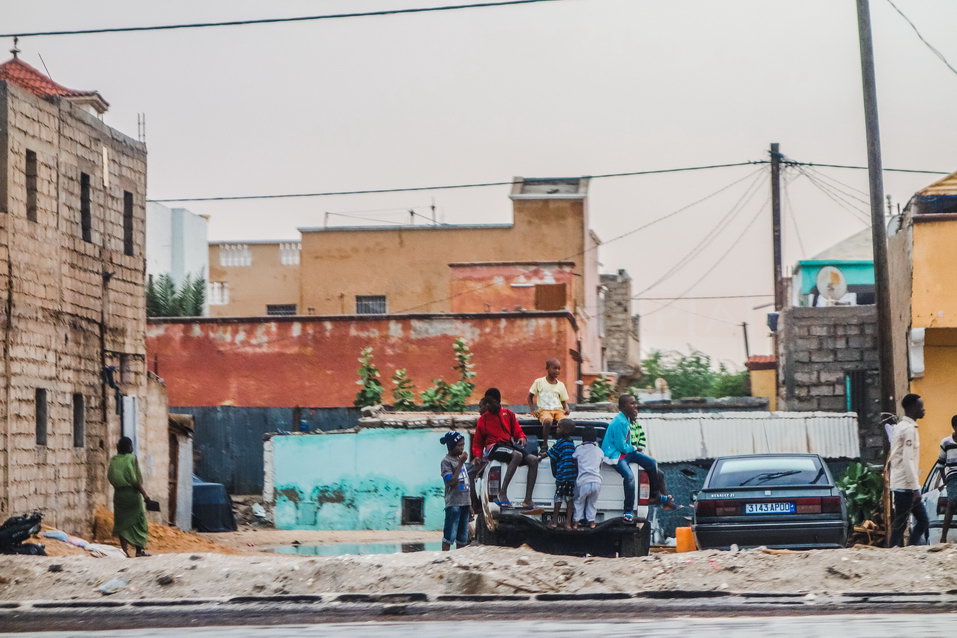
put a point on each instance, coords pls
(844, 626)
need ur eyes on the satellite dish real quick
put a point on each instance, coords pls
(831, 284)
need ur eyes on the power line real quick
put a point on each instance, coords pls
(858, 213)
(864, 168)
(711, 234)
(237, 23)
(789, 211)
(696, 314)
(640, 298)
(923, 39)
(717, 263)
(374, 191)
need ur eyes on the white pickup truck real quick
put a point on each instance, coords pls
(512, 528)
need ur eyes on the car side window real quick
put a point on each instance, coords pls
(933, 480)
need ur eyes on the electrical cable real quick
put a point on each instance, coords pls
(841, 187)
(373, 191)
(923, 39)
(864, 168)
(755, 296)
(861, 216)
(695, 313)
(789, 211)
(717, 263)
(236, 23)
(711, 234)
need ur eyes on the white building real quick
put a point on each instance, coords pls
(176, 243)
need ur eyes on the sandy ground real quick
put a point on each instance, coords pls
(481, 570)
(265, 538)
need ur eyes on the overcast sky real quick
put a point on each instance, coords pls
(552, 89)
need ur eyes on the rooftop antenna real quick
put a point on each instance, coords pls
(412, 216)
(141, 127)
(43, 62)
(433, 211)
(15, 50)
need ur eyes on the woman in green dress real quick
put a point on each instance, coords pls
(129, 499)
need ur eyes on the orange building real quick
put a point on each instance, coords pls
(923, 290)
(546, 259)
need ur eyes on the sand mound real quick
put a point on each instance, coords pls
(162, 540)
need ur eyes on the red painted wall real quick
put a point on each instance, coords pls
(312, 361)
(494, 287)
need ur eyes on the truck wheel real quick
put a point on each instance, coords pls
(644, 539)
(482, 534)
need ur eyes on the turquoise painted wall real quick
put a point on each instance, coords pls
(356, 480)
(858, 272)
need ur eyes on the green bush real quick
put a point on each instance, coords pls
(863, 488)
(403, 392)
(452, 397)
(370, 390)
(600, 390)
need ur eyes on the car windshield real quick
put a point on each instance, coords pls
(768, 470)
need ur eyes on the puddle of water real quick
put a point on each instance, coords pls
(343, 549)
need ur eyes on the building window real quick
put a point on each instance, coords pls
(126, 369)
(218, 293)
(413, 510)
(371, 305)
(550, 297)
(235, 255)
(40, 404)
(289, 253)
(280, 309)
(31, 173)
(86, 216)
(79, 420)
(127, 223)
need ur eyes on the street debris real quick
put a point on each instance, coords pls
(111, 587)
(482, 570)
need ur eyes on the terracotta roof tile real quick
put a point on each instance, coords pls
(18, 72)
(761, 362)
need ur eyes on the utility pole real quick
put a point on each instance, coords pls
(776, 224)
(876, 183)
(747, 348)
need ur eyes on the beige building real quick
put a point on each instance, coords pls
(360, 270)
(72, 202)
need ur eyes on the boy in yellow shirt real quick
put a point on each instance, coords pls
(548, 399)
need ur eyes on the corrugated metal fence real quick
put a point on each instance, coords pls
(228, 441)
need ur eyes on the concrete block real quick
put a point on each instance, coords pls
(848, 354)
(822, 356)
(820, 330)
(801, 356)
(822, 390)
(835, 404)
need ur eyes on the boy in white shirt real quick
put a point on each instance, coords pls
(588, 485)
(548, 399)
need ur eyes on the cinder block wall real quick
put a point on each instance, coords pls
(67, 306)
(817, 347)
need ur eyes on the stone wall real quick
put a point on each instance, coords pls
(817, 348)
(68, 307)
(621, 341)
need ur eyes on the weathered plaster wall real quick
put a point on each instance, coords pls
(936, 386)
(494, 287)
(69, 306)
(312, 360)
(356, 480)
(764, 384)
(622, 348)
(153, 447)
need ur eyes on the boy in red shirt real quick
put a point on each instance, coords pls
(499, 437)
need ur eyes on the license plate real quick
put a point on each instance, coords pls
(769, 508)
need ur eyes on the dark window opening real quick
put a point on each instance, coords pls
(127, 223)
(79, 420)
(31, 174)
(40, 403)
(413, 510)
(86, 216)
(280, 309)
(371, 305)
(551, 297)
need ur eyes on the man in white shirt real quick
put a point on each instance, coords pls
(905, 476)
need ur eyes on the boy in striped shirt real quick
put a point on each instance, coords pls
(947, 463)
(565, 471)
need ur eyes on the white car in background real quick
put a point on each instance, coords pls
(934, 497)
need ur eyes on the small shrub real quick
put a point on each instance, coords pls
(600, 390)
(370, 390)
(403, 392)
